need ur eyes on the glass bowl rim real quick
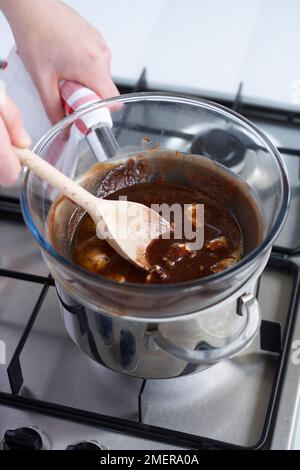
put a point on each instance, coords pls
(169, 97)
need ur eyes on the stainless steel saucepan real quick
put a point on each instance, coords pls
(160, 331)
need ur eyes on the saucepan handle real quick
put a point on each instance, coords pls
(74, 96)
(249, 308)
(96, 125)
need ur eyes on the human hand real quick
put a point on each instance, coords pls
(11, 132)
(56, 44)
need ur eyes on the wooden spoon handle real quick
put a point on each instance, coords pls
(57, 179)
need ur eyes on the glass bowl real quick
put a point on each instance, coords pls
(144, 123)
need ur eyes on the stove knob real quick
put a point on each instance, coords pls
(85, 445)
(22, 439)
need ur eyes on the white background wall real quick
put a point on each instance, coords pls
(199, 45)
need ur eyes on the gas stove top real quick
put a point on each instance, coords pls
(53, 396)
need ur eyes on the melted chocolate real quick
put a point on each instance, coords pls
(171, 261)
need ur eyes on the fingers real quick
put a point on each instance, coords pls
(103, 86)
(9, 164)
(50, 96)
(93, 71)
(100, 80)
(11, 132)
(12, 119)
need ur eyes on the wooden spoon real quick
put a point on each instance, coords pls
(127, 226)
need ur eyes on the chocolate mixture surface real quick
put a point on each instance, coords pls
(171, 261)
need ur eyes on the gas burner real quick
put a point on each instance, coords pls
(230, 148)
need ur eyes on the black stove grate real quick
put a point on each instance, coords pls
(138, 428)
(10, 209)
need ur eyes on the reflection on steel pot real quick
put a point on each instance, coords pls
(166, 348)
(158, 331)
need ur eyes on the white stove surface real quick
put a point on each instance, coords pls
(206, 48)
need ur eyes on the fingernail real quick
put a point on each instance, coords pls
(25, 139)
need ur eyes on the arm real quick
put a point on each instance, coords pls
(55, 44)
